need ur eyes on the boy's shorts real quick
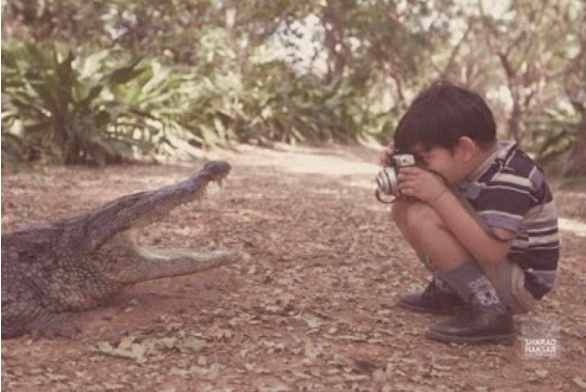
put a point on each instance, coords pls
(508, 278)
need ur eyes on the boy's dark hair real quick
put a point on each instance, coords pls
(441, 115)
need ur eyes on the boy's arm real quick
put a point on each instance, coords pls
(489, 246)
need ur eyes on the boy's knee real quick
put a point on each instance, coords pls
(416, 216)
(399, 212)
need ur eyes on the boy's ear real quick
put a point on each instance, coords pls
(467, 148)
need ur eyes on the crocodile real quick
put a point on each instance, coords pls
(75, 264)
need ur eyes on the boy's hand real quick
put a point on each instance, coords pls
(386, 157)
(421, 184)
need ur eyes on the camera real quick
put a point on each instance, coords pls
(387, 180)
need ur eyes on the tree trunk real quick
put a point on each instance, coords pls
(514, 121)
(335, 41)
(578, 166)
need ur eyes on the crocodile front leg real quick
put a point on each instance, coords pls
(22, 316)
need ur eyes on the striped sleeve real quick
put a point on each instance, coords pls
(505, 200)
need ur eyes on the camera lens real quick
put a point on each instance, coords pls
(387, 181)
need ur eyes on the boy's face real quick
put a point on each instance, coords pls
(451, 165)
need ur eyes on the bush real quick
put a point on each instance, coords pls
(98, 109)
(552, 138)
(74, 109)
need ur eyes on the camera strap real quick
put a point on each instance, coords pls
(379, 198)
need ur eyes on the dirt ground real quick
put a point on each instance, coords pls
(311, 307)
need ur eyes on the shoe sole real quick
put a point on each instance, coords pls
(448, 311)
(507, 339)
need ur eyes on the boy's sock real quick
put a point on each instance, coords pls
(438, 282)
(470, 283)
(442, 285)
(437, 298)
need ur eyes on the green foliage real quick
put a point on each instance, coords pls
(553, 138)
(301, 109)
(272, 103)
(251, 71)
(90, 109)
(81, 109)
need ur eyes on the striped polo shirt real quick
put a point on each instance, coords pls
(509, 191)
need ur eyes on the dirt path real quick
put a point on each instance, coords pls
(311, 309)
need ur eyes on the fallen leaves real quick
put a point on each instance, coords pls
(131, 347)
(579, 382)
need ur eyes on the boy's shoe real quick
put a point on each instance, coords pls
(433, 300)
(475, 327)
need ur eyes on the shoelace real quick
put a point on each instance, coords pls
(430, 291)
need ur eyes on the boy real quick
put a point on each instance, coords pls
(478, 213)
